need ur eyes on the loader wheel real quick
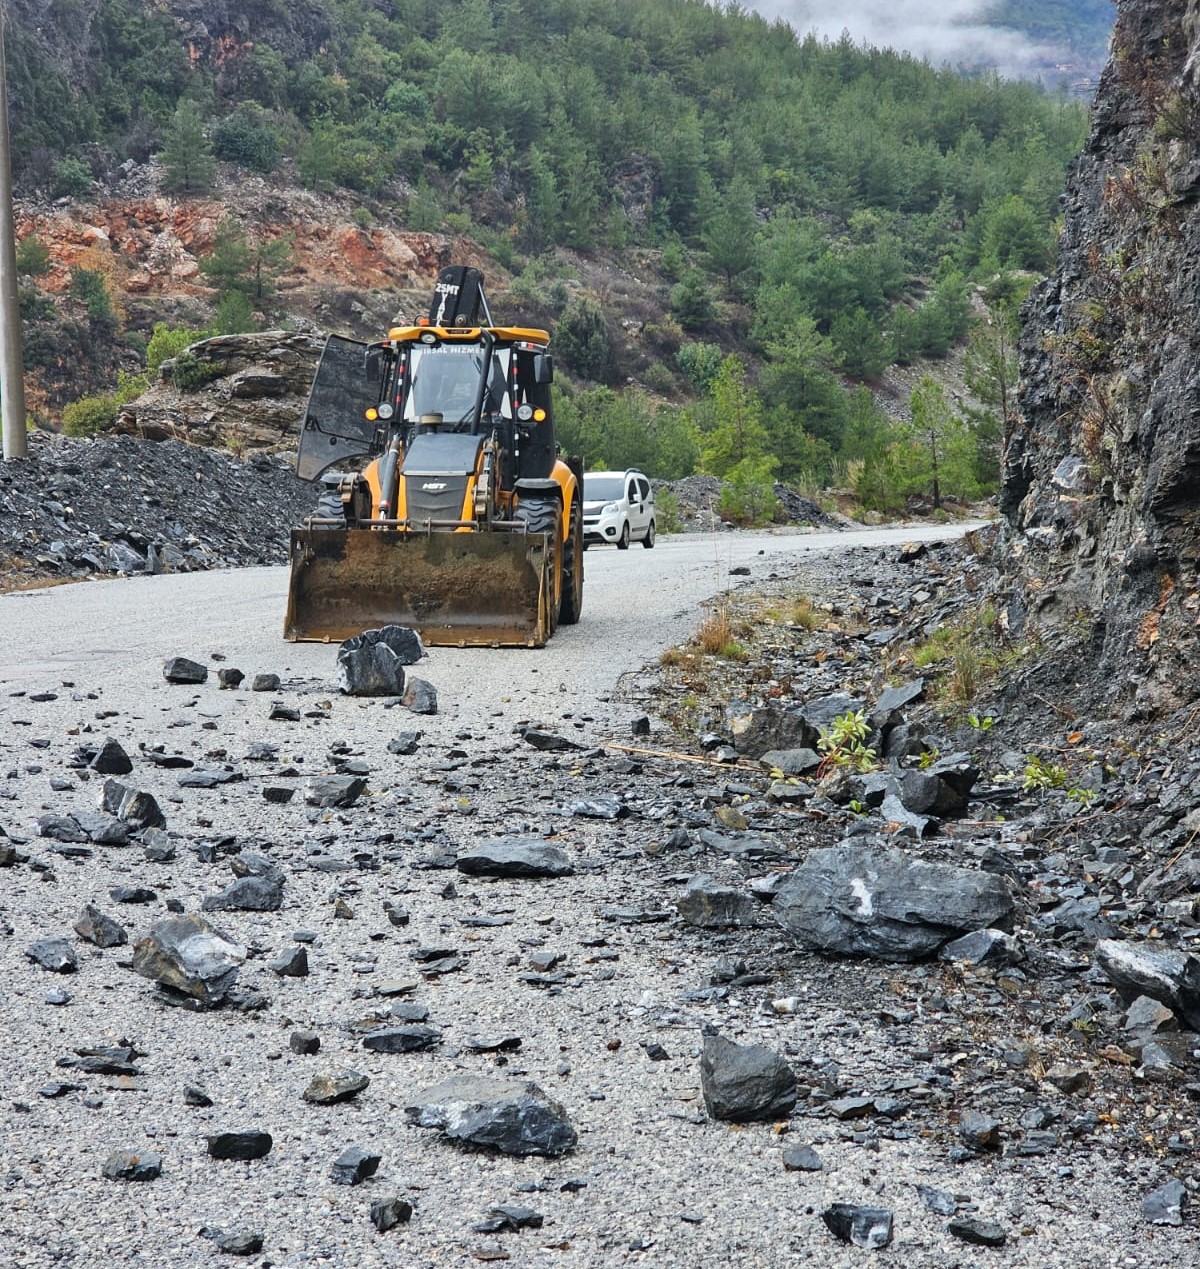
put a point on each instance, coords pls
(623, 540)
(544, 515)
(572, 582)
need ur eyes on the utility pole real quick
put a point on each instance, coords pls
(12, 375)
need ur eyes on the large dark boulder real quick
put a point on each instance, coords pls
(745, 1083)
(509, 1116)
(862, 900)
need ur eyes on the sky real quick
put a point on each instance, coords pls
(941, 30)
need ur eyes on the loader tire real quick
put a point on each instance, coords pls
(544, 515)
(572, 582)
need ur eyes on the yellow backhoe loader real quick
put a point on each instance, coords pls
(444, 504)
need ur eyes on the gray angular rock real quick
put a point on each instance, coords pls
(245, 1146)
(329, 1090)
(56, 955)
(1164, 1206)
(334, 791)
(372, 663)
(103, 931)
(1147, 1016)
(111, 759)
(984, 947)
(515, 857)
(61, 828)
(129, 1165)
(605, 806)
(236, 1242)
(708, 905)
(412, 1038)
(420, 696)
(291, 963)
(182, 670)
(977, 1231)
(861, 900)
(802, 1159)
(745, 1083)
(230, 678)
(387, 1213)
(979, 1131)
(265, 683)
(511, 1116)
(866, 1227)
(792, 762)
(188, 955)
(892, 700)
(353, 1166)
(247, 894)
(137, 808)
(103, 829)
(548, 741)
(1144, 969)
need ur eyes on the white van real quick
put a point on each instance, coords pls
(618, 507)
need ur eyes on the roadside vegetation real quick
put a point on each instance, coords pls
(812, 213)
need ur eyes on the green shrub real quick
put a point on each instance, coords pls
(658, 379)
(700, 362)
(33, 256)
(582, 340)
(247, 137)
(90, 415)
(190, 373)
(167, 342)
(748, 497)
(666, 512)
(70, 178)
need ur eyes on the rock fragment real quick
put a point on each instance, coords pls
(353, 1166)
(101, 930)
(512, 1117)
(292, 963)
(183, 670)
(710, 906)
(339, 791)
(515, 857)
(188, 955)
(420, 697)
(135, 807)
(745, 1083)
(866, 1227)
(977, 1231)
(860, 900)
(406, 1039)
(54, 954)
(387, 1213)
(330, 1090)
(247, 894)
(127, 1165)
(1144, 969)
(111, 759)
(244, 1146)
(1164, 1206)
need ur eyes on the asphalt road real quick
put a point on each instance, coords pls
(636, 603)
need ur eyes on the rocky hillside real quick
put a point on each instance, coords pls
(1101, 493)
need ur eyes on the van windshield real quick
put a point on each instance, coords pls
(603, 488)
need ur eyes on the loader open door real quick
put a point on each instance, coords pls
(336, 431)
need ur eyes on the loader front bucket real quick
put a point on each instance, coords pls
(456, 589)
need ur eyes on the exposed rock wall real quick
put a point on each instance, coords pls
(1101, 498)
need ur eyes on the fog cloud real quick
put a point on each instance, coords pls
(940, 30)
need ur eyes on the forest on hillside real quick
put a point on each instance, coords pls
(816, 211)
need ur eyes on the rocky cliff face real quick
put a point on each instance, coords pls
(1102, 489)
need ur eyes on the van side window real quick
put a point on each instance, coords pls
(644, 489)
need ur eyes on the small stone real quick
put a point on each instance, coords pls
(292, 963)
(240, 1145)
(99, 929)
(334, 791)
(404, 1039)
(265, 683)
(353, 1166)
(247, 894)
(866, 1227)
(979, 1131)
(396, 915)
(508, 1218)
(802, 1159)
(973, 1229)
(329, 1090)
(745, 1083)
(515, 857)
(126, 1165)
(182, 670)
(420, 697)
(640, 726)
(306, 1042)
(236, 1242)
(548, 741)
(387, 1213)
(193, 1096)
(404, 743)
(229, 678)
(111, 759)
(1164, 1206)
(56, 955)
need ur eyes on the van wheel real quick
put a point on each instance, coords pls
(623, 540)
(648, 540)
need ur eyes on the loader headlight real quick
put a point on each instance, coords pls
(428, 337)
(385, 411)
(525, 412)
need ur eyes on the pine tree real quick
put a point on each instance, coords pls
(186, 155)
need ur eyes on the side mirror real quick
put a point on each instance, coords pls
(543, 368)
(373, 365)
